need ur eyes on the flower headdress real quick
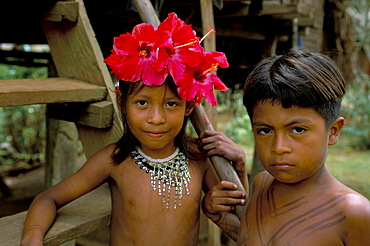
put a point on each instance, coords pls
(149, 54)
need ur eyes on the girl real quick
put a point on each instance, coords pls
(156, 173)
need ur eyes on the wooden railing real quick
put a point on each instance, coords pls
(81, 217)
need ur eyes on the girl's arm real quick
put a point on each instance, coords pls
(219, 202)
(216, 143)
(42, 211)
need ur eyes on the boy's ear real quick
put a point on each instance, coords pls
(334, 130)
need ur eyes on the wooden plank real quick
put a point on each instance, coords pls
(97, 115)
(80, 217)
(240, 33)
(63, 11)
(206, 7)
(19, 92)
(147, 12)
(76, 53)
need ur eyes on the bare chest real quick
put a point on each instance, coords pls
(142, 212)
(135, 184)
(299, 220)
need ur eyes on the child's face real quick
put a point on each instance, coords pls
(155, 116)
(292, 142)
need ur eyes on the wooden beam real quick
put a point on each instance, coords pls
(240, 33)
(80, 217)
(147, 12)
(18, 92)
(224, 169)
(77, 53)
(63, 11)
(97, 115)
(206, 7)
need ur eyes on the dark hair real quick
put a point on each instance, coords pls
(297, 78)
(128, 141)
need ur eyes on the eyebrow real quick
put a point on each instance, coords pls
(297, 121)
(148, 96)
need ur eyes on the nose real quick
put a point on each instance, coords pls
(156, 115)
(281, 144)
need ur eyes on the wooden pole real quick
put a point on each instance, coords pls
(200, 120)
(224, 169)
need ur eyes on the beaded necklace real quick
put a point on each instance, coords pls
(168, 173)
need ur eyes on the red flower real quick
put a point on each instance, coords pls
(150, 54)
(198, 82)
(185, 50)
(135, 56)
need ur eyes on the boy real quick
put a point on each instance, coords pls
(294, 101)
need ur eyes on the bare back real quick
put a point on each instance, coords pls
(326, 214)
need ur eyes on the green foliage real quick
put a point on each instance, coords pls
(360, 14)
(17, 72)
(349, 166)
(22, 129)
(237, 123)
(356, 110)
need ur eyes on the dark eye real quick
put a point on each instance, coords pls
(298, 130)
(264, 131)
(172, 104)
(141, 102)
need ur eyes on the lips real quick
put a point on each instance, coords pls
(155, 134)
(282, 166)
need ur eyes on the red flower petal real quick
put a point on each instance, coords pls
(150, 53)
(212, 57)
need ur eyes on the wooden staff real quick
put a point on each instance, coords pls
(223, 168)
(200, 121)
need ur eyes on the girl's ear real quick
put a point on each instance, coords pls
(189, 109)
(334, 130)
(119, 101)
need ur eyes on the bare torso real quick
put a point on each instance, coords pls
(300, 217)
(140, 217)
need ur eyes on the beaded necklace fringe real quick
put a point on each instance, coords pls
(166, 174)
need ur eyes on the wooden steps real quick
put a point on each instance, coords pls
(80, 217)
(18, 92)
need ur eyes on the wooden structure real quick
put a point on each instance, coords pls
(75, 50)
(76, 55)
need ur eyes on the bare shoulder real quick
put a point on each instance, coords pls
(356, 209)
(356, 205)
(262, 178)
(195, 155)
(353, 202)
(102, 159)
(105, 153)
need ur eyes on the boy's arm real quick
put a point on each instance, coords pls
(218, 205)
(216, 143)
(358, 216)
(42, 211)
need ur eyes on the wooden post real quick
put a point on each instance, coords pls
(78, 55)
(61, 150)
(206, 9)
